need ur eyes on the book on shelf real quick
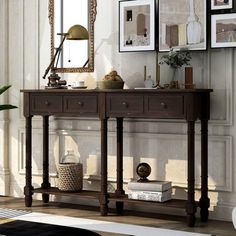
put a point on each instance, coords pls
(153, 185)
(150, 196)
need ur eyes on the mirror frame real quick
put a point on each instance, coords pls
(92, 7)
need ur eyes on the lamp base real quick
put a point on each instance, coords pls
(54, 82)
(56, 87)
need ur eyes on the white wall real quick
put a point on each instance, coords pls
(25, 53)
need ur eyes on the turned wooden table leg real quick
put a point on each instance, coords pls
(104, 195)
(119, 189)
(45, 183)
(204, 202)
(191, 205)
(28, 189)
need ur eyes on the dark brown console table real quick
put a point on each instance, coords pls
(189, 105)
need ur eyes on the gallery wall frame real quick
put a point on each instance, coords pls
(223, 30)
(221, 4)
(182, 25)
(137, 25)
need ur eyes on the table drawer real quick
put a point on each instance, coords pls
(165, 106)
(46, 104)
(86, 104)
(124, 105)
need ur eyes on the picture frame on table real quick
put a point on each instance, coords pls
(137, 25)
(223, 30)
(182, 25)
(221, 4)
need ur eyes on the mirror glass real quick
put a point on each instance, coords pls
(76, 55)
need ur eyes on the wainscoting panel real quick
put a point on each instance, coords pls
(4, 120)
(37, 152)
(31, 44)
(166, 153)
(221, 74)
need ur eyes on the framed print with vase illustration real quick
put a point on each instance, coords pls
(221, 4)
(223, 30)
(136, 25)
(182, 25)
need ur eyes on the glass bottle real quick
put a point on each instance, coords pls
(70, 173)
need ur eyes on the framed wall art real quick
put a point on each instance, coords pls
(223, 30)
(221, 4)
(136, 25)
(182, 25)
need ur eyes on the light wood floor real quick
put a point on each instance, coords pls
(218, 228)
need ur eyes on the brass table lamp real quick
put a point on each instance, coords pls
(76, 32)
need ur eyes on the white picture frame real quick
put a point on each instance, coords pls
(223, 33)
(137, 25)
(182, 25)
(221, 4)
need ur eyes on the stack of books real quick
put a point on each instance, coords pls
(156, 191)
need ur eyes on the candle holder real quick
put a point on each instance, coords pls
(189, 78)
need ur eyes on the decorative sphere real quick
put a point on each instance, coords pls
(143, 170)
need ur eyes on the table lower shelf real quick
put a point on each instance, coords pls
(173, 203)
(80, 194)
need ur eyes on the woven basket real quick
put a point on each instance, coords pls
(70, 177)
(109, 84)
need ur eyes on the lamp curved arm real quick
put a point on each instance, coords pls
(86, 63)
(54, 57)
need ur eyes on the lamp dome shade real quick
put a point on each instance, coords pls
(77, 32)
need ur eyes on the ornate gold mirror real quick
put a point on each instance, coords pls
(77, 55)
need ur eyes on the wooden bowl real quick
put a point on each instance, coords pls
(110, 84)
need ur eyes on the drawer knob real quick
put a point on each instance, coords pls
(47, 103)
(163, 105)
(125, 104)
(80, 104)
